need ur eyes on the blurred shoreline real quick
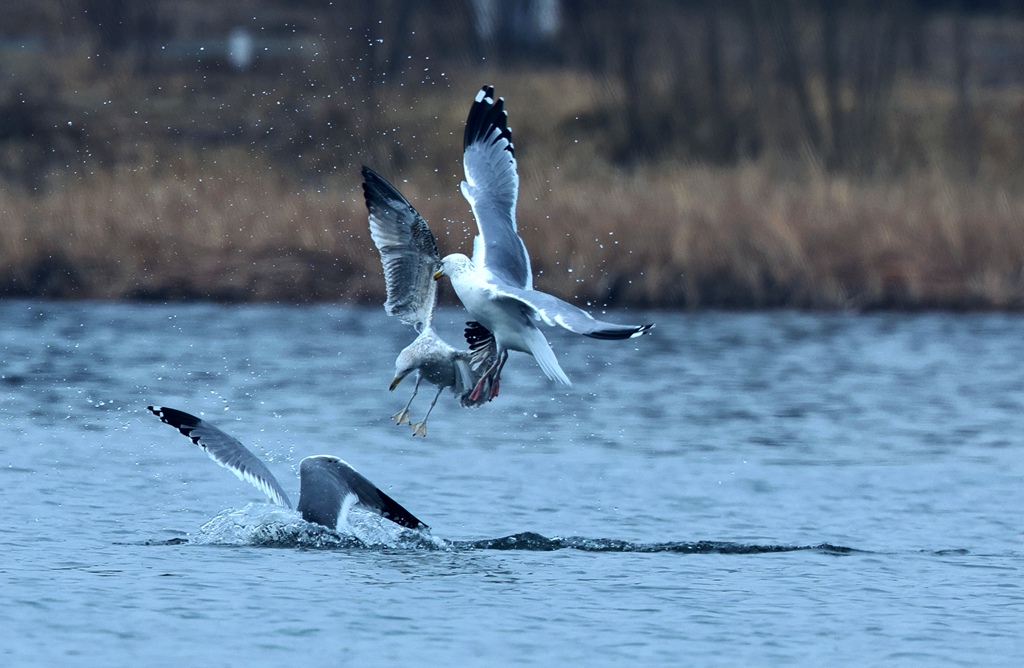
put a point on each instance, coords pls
(128, 178)
(724, 238)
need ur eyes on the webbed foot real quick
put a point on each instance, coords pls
(478, 389)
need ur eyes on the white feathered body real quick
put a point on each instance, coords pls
(510, 321)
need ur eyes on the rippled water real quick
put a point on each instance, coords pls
(736, 489)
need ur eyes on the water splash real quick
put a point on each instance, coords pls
(265, 525)
(373, 531)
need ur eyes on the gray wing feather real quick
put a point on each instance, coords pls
(470, 365)
(226, 451)
(328, 480)
(408, 251)
(491, 188)
(483, 349)
(553, 311)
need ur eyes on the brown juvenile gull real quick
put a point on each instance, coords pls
(328, 486)
(496, 286)
(409, 255)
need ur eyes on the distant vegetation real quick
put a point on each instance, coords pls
(672, 154)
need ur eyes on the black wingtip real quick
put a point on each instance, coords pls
(477, 335)
(396, 513)
(378, 191)
(174, 417)
(180, 420)
(486, 113)
(371, 179)
(641, 330)
(619, 334)
(370, 176)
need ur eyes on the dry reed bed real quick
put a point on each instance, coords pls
(179, 186)
(179, 219)
(682, 237)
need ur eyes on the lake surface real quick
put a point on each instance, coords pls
(734, 489)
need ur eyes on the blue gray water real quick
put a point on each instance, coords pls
(779, 488)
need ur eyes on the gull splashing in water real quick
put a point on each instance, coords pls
(329, 486)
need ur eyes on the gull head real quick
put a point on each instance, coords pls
(398, 379)
(405, 364)
(453, 266)
(327, 459)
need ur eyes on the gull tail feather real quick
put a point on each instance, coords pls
(541, 351)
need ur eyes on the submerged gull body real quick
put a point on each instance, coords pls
(496, 285)
(329, 486)
(409, 256)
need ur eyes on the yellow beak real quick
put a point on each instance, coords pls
(438, 274)
(395, 382)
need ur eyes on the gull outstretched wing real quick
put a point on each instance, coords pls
(491, 188)
(327, 482)
(408, 251)
(226, 451)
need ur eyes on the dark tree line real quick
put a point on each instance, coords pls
(706, 81)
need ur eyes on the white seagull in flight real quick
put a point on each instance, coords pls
(496, 286)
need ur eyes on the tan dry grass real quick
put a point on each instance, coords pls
(133, 235)
(231, 222)
(681, 237)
